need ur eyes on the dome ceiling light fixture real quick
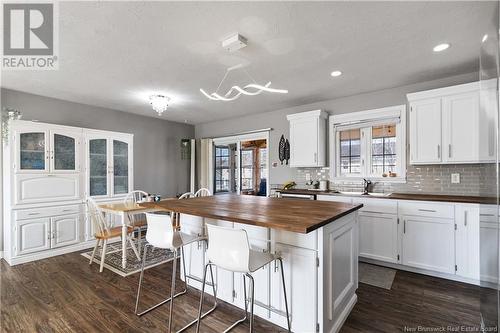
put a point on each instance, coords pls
(251, 89)
(159, 103)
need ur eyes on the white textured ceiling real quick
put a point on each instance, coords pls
(113, 54)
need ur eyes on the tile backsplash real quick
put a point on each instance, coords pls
(475, 179)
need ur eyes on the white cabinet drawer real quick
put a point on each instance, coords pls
(306, 241)
(335, 198)
(428, 209)
(378, 206)
(24, 214)
(34, 188)
(488, 213)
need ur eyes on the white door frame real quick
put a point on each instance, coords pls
(237, 139)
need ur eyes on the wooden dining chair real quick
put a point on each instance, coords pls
(137, 221)
(104, 230)
(203, 192)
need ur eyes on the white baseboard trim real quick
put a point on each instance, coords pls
(52, 253)
(421, 271)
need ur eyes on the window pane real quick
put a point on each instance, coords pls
(390, 146)
(350, 150)
(355, 165)
(383, 149)
(377, 146)
(355, 147)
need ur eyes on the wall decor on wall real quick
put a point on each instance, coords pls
(281, 149)
(185, 149)
(8, 114)
(287, 151)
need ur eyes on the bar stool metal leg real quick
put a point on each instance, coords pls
(252, 295)
(144, 254)
(212, 309)
(172, 291)
(284, 294)
(201, 297)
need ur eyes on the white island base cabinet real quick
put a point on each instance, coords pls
(321, 275)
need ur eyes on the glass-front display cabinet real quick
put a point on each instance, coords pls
(39, 151)
(109, 170)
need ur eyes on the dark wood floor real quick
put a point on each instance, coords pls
(65, 294)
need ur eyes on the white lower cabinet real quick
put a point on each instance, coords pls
(45, 228)
(65, 230)
(378, 237)
(429, 243)
(33, 235)
(301, 276)
(488, 235)
(452, 238)
(467, 240)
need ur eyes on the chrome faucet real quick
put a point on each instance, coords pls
(366, 185)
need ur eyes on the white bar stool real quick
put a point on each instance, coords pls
(229, 249)
(161, 234)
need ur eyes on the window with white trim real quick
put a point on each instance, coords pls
(369, 144)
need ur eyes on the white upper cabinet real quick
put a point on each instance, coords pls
(43, 149)
(109, 164)
(65, 151)
(308, 139)
(425, 131)
(452, 125)
(461, 128)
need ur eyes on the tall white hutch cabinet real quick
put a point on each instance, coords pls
(48, 172)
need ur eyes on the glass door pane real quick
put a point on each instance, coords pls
(120, 166)
(98, 171)
(32, 151)
(64, 152)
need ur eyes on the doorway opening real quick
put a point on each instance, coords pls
(241, 164)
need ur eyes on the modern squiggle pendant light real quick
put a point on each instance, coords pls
(232, 44)
(234, 92)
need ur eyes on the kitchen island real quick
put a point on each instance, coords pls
(317, 240)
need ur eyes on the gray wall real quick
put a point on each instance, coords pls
(432, 179)
(158, 167)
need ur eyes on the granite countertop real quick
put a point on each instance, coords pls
(402, 196)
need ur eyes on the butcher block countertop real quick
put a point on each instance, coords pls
(295, 215)
(403, 196)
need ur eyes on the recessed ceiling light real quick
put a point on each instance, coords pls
(441, 47)
(336, 73)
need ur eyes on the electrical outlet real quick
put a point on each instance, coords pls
(455, 178)
(308, 177)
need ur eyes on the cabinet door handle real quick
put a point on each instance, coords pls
(449, 150)
(465, 218)
(404, 226)
(31, 214)
(439, 151)
(427, 210)
(315, 157)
